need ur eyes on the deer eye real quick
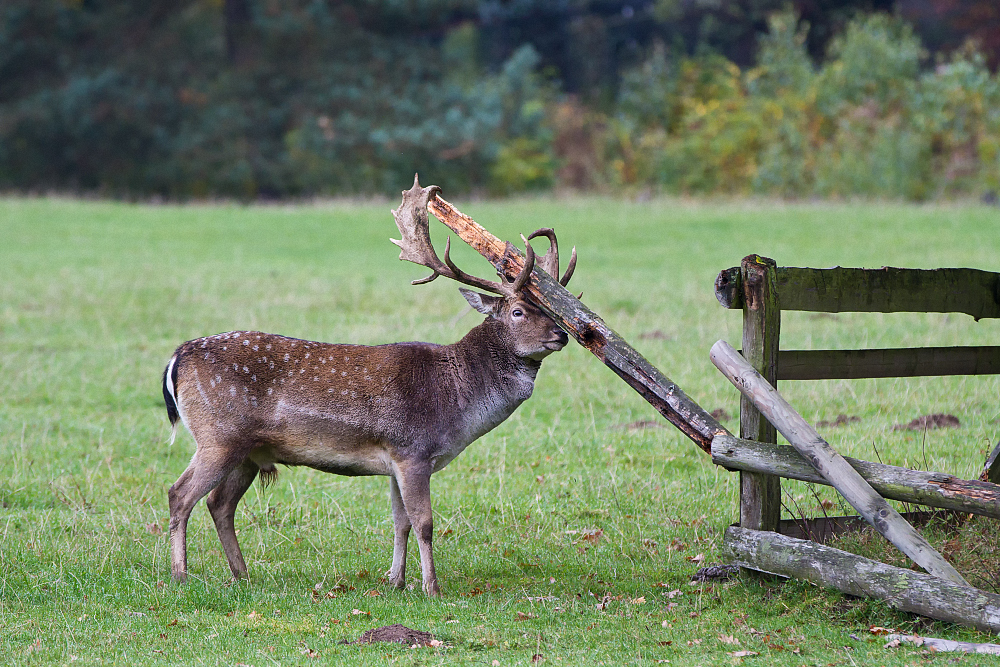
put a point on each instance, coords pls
(517, 312)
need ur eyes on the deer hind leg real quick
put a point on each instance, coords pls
(206, 470)
(222, 502)
(401, 525)
(415, 490)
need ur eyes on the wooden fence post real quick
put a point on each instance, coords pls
(760, 494)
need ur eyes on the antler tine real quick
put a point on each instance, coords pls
(529, 264)
(470, 280)
(550, 260)
(569, 269)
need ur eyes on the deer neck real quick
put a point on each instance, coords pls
(491, 379)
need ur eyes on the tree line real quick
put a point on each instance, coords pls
(279, 98)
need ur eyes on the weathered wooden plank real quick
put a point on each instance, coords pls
(888, 362)
(902, 589)
(760, 495)
(587, 328)
(829, 463)
(939, 645)
(885, 290)
(934, 489)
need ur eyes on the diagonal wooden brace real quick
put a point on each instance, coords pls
(587, 328)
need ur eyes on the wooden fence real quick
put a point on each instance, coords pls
(762, 290)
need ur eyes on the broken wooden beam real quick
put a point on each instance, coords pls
(903, 589)
(587, 328)
(829, 463)
(886, 290)
(933, 489)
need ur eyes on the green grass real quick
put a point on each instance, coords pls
(95, 296)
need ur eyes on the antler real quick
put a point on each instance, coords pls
(416, 247)
(550, 260)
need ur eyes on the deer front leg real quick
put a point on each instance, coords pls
(401, 528)
(415, 490)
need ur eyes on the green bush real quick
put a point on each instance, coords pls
(867, 122)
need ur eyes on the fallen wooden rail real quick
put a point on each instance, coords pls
(585, 326)
(903, 589)
(829, 463)
(933, 489)
(942, 645)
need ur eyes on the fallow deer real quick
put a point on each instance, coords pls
(253, 400)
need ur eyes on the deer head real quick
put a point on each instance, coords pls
(532, 333)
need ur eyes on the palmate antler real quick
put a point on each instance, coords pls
(412, 221)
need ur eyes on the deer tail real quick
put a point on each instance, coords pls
(170, 396)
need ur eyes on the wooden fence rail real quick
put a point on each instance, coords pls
(885, 290)
(934, 489)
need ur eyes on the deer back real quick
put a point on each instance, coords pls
(354, 408)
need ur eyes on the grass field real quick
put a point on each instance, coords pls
(561, 534)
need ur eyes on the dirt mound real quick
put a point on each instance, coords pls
(397, 633)
(841, 420)
(939, 420)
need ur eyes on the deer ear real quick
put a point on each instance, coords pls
(485, 304)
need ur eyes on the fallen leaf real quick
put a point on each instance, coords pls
(358, 612)
(696, 559)
(892, 644)
(879, 630)
(591, 535)
(639, 600)
(522, 616)
(729, 639)
(694, 642)
(674, 593)
(537, 657)
(154, 529)
(372, 593)
(252, 615)
(742, 654)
